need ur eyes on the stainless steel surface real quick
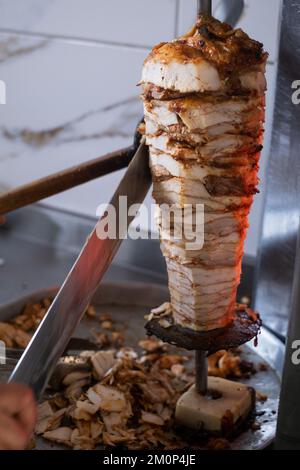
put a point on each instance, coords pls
(274, 278)
(128, 308)
(229, 11)
(270, 347)
(134, 297)
(288, 428)
(38, 245)
(201, 366)
(51, 338)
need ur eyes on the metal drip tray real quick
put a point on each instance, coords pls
(128, 308)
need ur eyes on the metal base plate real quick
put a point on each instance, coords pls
(128, 303)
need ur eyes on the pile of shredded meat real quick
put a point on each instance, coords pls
(17, 332)
(122, 398)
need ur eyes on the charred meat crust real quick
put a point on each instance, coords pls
(229, 50)
(228, 186)
(154, 92)
(244, 327)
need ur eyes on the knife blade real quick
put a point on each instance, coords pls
(51, 338)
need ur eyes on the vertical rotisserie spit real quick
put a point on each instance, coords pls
(204, 104)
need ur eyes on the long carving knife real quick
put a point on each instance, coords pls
(48, 343)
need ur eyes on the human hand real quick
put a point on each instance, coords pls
(18, 412)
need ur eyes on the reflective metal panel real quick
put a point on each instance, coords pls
(288, 429)
(281, 217)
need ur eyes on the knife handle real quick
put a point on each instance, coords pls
(66, 179)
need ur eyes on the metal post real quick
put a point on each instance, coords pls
(201, 371)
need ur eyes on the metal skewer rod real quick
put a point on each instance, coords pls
(201, 371)
(204, 7)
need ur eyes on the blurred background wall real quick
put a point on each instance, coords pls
(71, 68)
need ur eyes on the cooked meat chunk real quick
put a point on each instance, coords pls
(204, 106)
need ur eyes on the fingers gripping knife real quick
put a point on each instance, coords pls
(51, 338)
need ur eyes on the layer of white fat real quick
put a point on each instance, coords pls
(196, 275)
(177, 168)
(181, 317)
(197, 297)
(199, 135)
(181, 284)
(221, 145)
(152, 130)
(213, 220)
(227, 255)
(201, 115)
(190, 77)
(255, 81)
(189, 303)
(202, 318)
(159, 114)
(181, 191)
(230, 243)
(192, 171)
(218, 227)
(211, 205)
(204, 299)
(182, 237)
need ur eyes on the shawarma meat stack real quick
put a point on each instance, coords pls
(204, 105)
